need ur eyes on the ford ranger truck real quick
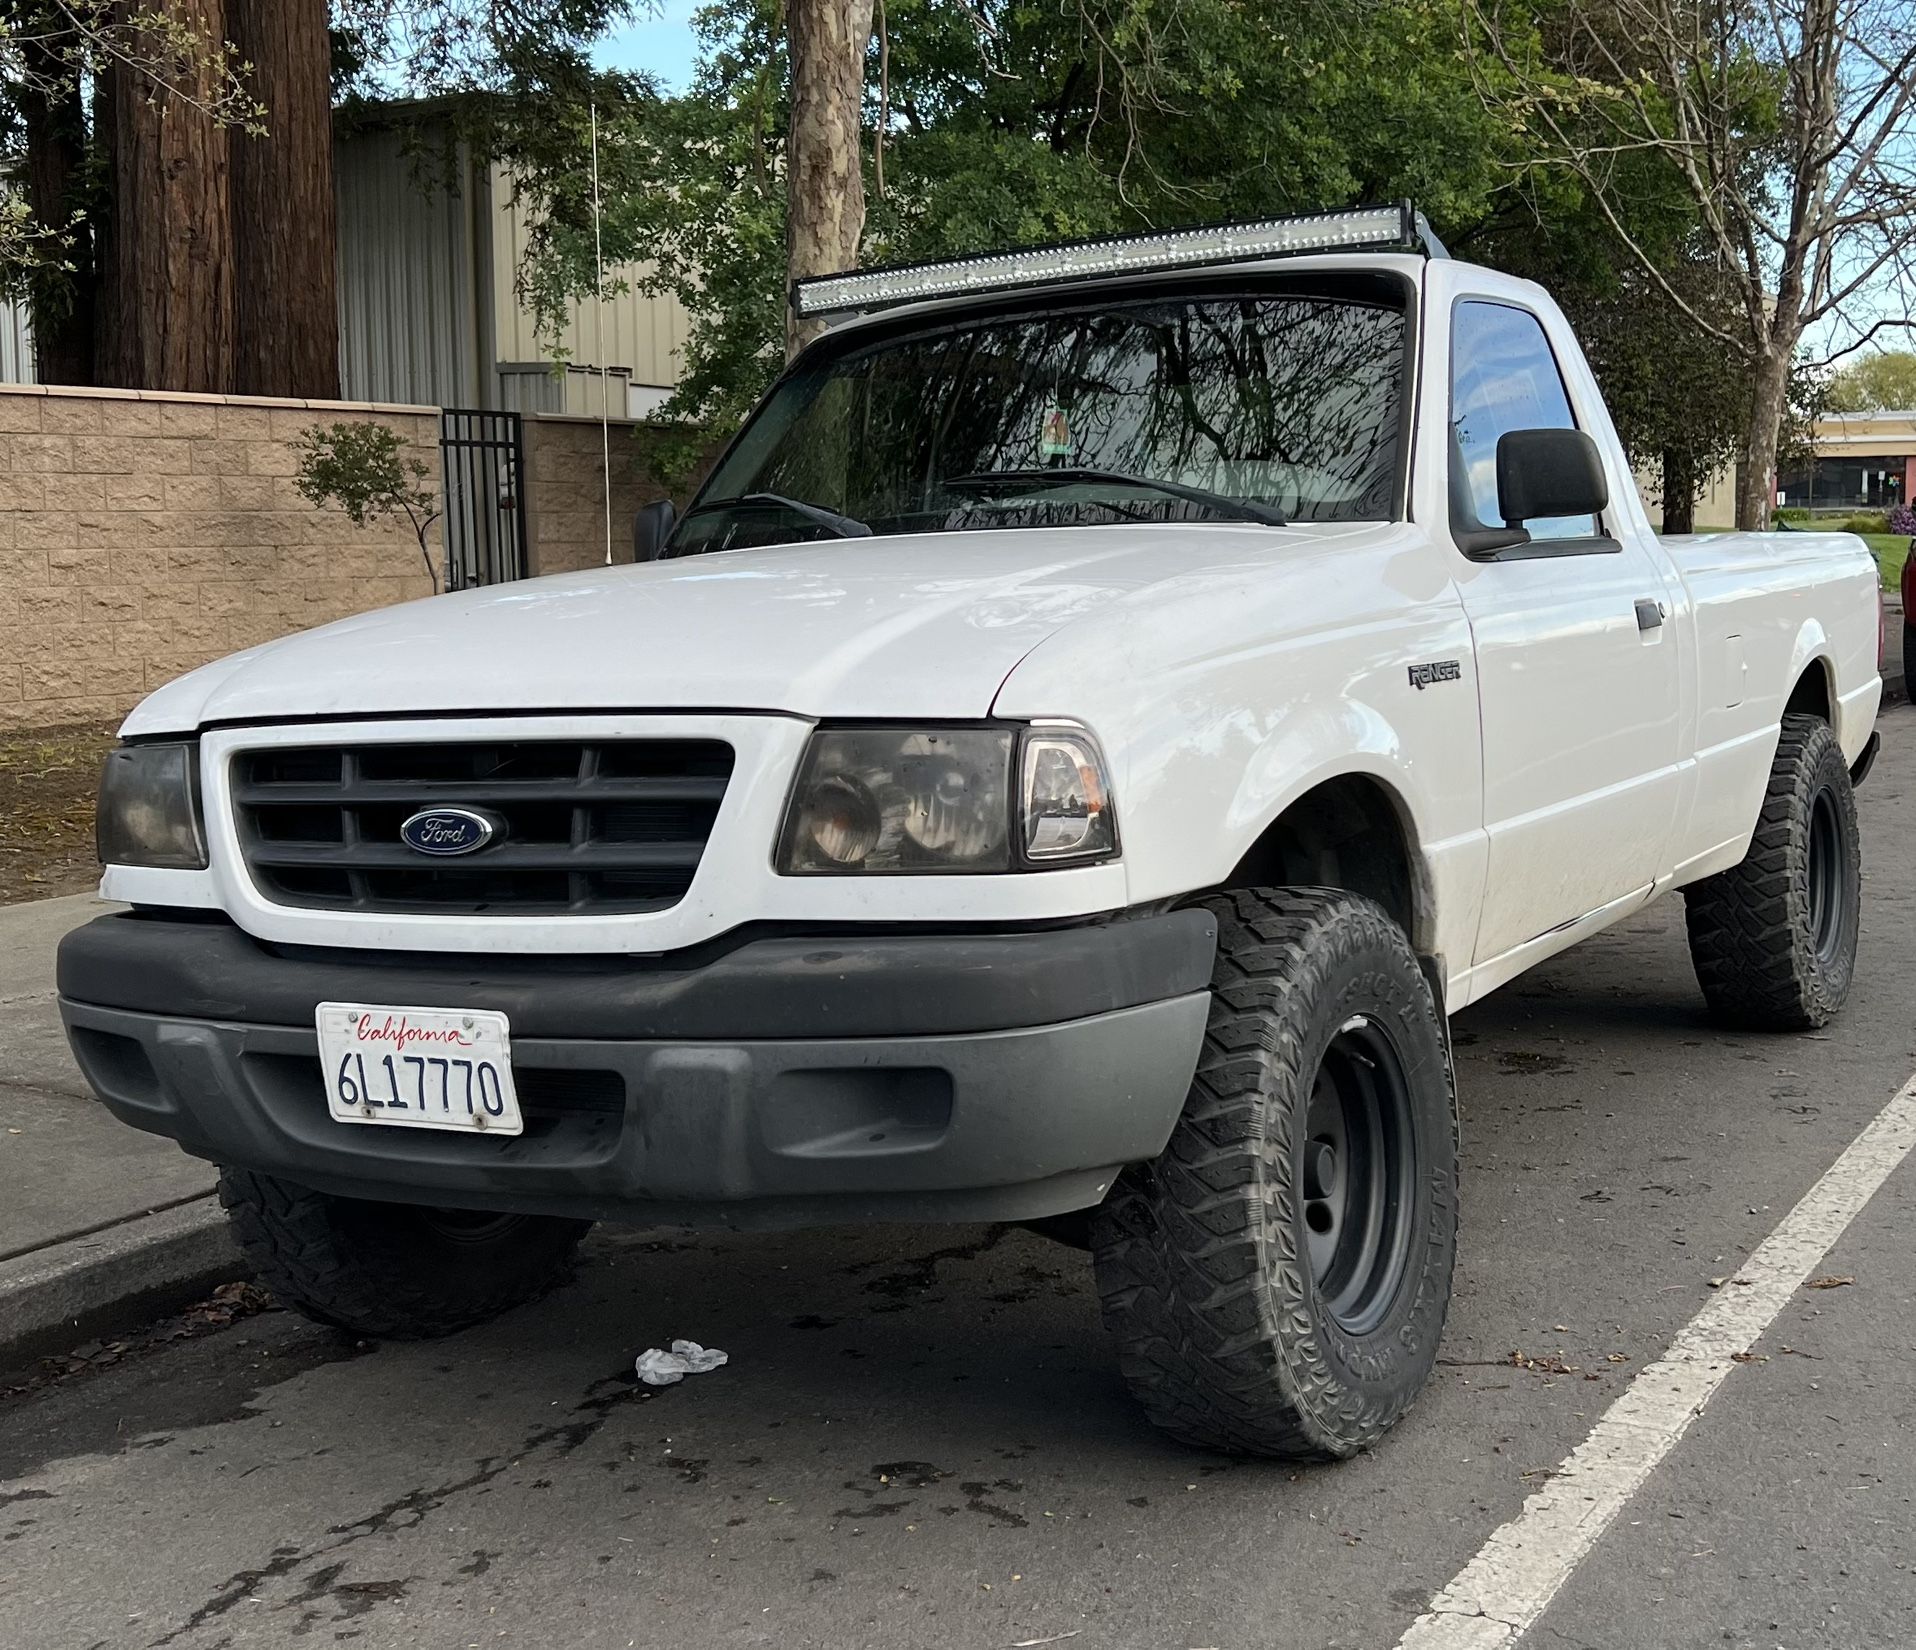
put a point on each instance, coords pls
(1105, 710)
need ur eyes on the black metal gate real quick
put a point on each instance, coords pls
(484, 455)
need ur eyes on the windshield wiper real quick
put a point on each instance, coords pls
(844, 527)
(1240, 509)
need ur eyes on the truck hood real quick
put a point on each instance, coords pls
(912, 626)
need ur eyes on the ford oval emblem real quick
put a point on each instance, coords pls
(447, 831)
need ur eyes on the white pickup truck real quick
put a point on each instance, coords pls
(1104, 712)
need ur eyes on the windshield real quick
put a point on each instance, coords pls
(1265, 405)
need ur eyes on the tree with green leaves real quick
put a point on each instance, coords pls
(998, 123)
(1784, 125)
(364, 469)
(1884, 382)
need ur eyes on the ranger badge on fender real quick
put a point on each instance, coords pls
(1438, 670)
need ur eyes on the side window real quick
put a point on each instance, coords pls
(1503, 377)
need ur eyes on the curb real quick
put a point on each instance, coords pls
(114, 1279)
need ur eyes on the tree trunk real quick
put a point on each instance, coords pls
(1679, 490)
(168, 286)
(825, 176)
(1756, 478)
(60, 301)
(286, 283)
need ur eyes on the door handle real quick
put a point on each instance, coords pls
(1649, 615)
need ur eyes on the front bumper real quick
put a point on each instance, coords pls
(779, 1081)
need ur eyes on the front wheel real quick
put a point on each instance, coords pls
(1774, 937)
(392, 1271)
(1277, 1279)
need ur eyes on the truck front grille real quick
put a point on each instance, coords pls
(587, 827)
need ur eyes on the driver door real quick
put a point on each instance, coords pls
(1577, 670)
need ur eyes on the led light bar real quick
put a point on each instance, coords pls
(1397, 227)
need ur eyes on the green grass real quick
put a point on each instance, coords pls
(1891, 551)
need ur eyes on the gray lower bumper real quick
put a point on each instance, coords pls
(993, 1125)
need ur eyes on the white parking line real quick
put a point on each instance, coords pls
(1495, 1598)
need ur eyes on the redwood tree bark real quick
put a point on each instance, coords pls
(286, 286)
(166, 288)
(54, 126)
(825, 177)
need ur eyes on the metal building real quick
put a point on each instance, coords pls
(429, 250)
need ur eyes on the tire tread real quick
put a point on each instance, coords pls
(294, 1238)
(1183, 1245)
(1748, 926)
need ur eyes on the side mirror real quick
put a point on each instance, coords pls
(651, 528)
(1545, 473)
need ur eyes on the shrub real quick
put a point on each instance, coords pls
(365, 469)
(1867, 524)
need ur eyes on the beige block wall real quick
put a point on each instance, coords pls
(565, 489)
(143, 534)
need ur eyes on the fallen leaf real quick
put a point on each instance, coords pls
(1543, 1366)
(1831, 1282)
(1749, 1358)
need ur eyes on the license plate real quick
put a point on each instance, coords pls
(418, 1068)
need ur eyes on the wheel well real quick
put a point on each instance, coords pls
(1811, 695)
(1347, 833)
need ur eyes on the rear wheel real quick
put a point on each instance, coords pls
(1774, 938)
(393, 1271)
(1277, 1279)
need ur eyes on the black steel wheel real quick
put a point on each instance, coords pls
(1355, 1175)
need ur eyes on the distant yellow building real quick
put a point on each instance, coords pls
(1863, 462)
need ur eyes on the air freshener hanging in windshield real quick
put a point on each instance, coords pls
(1054, 435)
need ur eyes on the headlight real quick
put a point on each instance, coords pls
(1066, 799)
(945, 801)
(149, 810)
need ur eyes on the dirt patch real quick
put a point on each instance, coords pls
(47, 784)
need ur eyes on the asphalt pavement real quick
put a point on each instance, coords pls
(920, 1439)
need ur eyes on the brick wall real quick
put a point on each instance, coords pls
(143, 534)
(565, 494)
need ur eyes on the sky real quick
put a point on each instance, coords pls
(662, 44)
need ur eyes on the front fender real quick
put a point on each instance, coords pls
(1221, 700)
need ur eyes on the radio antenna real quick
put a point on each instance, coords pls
(598, 318)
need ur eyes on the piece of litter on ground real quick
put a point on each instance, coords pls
(1831, 1282)
(1056, 1638)
(656, 1368)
